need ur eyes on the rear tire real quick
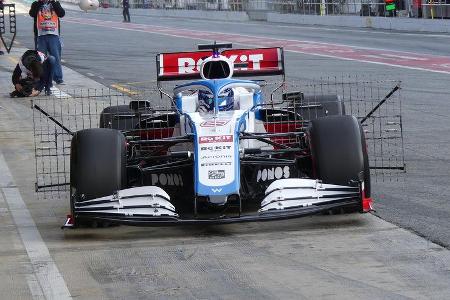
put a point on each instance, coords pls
(331, 105)
(339, 153)
(108, 118)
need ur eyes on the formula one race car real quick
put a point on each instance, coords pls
(222, 154)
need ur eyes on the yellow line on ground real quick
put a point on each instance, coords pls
(124, 89)
(141, 82)
(13, 59)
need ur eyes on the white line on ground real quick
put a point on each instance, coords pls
(35, 288)
(49, 280)
(6, 179)
(110, 24)
(59, 94)
(314, 27)
(343, 29)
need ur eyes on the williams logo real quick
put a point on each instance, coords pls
(216, 190)
(273, 173)
(216, 174)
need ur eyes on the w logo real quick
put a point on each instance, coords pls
(216, 190)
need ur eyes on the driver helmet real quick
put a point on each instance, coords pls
(206, 100)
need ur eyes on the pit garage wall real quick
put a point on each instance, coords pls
(256, 14)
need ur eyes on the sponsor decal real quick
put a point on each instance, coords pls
(209, 157)
(214, 123)
(215, 164)
(215, 148)
(216, 190)
(215, 139)
(188, 65)
(216, 174)
(257, 60)
(167, 179)
(273, 173)
(47, 20)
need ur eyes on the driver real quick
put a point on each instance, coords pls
(206, 100)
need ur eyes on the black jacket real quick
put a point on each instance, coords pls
(35, 7)
(26, 59)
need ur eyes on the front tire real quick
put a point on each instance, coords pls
(97, 166)
(338, 150)
(97, 162)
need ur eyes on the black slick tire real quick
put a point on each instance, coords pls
(109, 117)
(338, 150)
(97, 164)
(330, 105)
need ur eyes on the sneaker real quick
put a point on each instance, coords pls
(48, 92)
(60, 82)
(1, 52)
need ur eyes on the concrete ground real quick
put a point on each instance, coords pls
(316, 257)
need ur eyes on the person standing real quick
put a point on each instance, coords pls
(126, 10)
(47, 30)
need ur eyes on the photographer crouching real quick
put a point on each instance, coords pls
(33, 73)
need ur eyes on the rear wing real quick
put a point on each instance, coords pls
(247, 62)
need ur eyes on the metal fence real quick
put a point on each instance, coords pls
(58, 116)
(55, 118)
(403, 8)
(8, 25)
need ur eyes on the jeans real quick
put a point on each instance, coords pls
(46, 80)
(126, 14)
(50, 45)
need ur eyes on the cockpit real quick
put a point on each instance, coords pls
(222, 95)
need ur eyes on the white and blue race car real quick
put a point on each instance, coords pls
(222, 153)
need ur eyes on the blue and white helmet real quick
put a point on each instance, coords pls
(206, 100)
(226, 100)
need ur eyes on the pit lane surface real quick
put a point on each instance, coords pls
(326, 256)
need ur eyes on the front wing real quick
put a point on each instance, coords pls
(284, 199)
